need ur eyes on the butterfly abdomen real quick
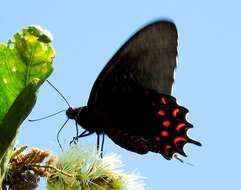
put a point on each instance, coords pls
(128, 141)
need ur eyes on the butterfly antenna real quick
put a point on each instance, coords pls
(31, 120)
(59, 133)
(58, 92)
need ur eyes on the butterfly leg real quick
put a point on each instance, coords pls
(77, 130)
(98, 143)
(83, 134)
(102, 144)
(75, 139)
(100, 148)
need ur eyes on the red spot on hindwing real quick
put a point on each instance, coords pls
(167, 149)
(164, 133)
(180, 126)
(161, 112)
(177, 140)
(175, 112)
(157, 138)
(163, 100)
(166, 123)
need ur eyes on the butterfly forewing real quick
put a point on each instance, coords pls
(147, 60)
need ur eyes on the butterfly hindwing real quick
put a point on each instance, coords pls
(169, 131)
(149, 121)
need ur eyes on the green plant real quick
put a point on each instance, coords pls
(25, 63)
(81, 168)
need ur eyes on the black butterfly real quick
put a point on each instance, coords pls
(131, 99)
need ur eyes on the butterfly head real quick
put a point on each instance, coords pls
(72, 113)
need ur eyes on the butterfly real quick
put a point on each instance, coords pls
(131, 99)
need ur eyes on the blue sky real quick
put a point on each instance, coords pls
(87, 34)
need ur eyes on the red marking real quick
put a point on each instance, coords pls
(167, 149)
(175, 112)
(157, 138)
(166, 123)
(163, 100)
(161, 112)
(180, 126)
(165, 134)
(179, 139)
